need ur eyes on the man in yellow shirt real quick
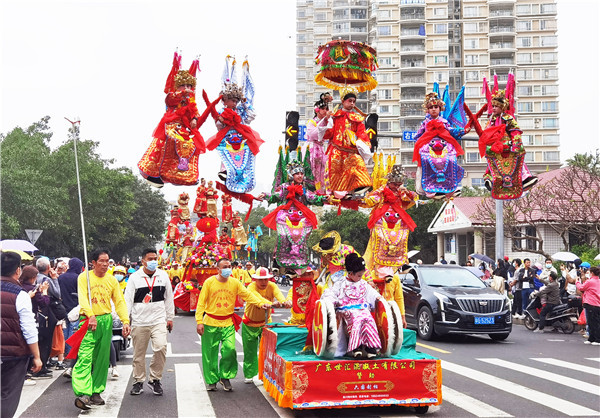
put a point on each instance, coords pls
(393, 288)
(94, 350)
(215, 323)
(255, 319)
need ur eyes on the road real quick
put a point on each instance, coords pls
(528, 375)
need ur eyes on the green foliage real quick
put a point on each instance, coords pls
(39, 191)
(586, 253)
(420, 239)
(351, 225)
(589, 162)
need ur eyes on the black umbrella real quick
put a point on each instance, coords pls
(483, 257)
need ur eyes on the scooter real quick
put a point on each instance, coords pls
(119, 342)
(560, 317)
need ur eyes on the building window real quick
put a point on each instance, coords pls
(384, 14)
(548, 57)
(449, 243)
(440, 76)
(385, 142)
(517, 241)
(523, 25)
(530, 231)
(523, 41)
(300, 62)
(524, 58)
(440, 11)
(470, 11)
(384, 109)
(470, 27)
(472, 157)
(440, 44)
(525, 107)
(471, 43)
(471, 59)
(472, 75)
(551, 156)
(549, 106)
(550, 90)
(523, 9)
(440, 59)
(385, 61)
(384, 30)
(440, 28)
(548, 41)
(384, 94)
(550, 123)
(547, 24)
(549, 74)
(548, 8)
(321, 16)
(551, 140)
(526, 139)
(477, 183)
(524, 74)
(472, 92)
(384, 126)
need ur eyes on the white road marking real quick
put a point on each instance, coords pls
(30, 393)
(574, 366)
(471, 405)
(169, 349)
(544, 374)
(178, 355)
(561, 405)
(593, 359)
(113, 395)
(192, 397)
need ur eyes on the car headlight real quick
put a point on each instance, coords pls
(444, 300)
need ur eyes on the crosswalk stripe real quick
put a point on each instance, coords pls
(178, 355)
(561, 405)
(113, 396)
(471, 405)
(593, 359)
(30, 393)
(192, 397)
(573, 366)
(544, 374)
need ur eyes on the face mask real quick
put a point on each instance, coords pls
(119, 277)
(588, 275)
(548, 266)
(226, 272)
(152, 265)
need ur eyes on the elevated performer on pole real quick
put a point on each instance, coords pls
(293, 220)
(172, 156)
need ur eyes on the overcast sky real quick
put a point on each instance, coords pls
(106, 62)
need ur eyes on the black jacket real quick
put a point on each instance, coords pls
(68, 284)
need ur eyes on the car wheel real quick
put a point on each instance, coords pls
(425, 323)
(421, 410)
(530, 323)
(567, 326)
(499, 337)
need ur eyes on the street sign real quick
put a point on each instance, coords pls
(33, 234)
(408, 136)
(302, 133)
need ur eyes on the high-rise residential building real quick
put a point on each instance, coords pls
(453, 42)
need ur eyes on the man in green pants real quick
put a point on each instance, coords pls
(215, 323)
(91, 369)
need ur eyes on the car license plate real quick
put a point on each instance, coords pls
(484, 320)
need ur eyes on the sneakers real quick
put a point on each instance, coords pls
(156, 387)
(138, 387)
(68, 373)
(587, 342)
(212, 387)
(248, 380)
(60, 366)
(31, 382)
(42, 374)
(96, 399)
(595, 343)
(257, 381)
(83, 402)
(226, 385)
(371, 352)
(114, 373)
(538, 331)
(522, 316)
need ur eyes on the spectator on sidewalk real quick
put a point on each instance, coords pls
(68, 291)
(590, 289)
(18, 335)
(149, 299)
(516, 287)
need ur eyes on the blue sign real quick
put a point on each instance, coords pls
(408, 136)
(301, 132)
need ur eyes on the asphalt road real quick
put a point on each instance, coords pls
(528, 375)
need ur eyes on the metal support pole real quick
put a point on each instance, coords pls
(499, 229)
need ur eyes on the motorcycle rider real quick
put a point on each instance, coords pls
(552, 294)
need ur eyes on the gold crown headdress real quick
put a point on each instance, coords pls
(184, 77)
(432, 99)
(348, 90)
(499, 99)
(232, 91)
(396, 175)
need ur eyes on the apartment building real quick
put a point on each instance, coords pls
(453, 42)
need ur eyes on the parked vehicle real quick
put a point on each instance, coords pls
(561, 317)
(119, 342)
(444, 299)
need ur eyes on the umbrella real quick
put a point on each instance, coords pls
(17, 244)
(483, 257)
(412, 253)
(597, 257)
(565, 256)
(24, 256)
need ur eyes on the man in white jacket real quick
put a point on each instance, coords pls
(149, 299)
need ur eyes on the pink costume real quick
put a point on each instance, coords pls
(315, 130)
(354, 300)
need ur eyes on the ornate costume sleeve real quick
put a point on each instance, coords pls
(314, 199)
(421, 129)
(373, 198)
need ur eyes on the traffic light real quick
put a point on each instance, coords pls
(371, 129)
(291, 129)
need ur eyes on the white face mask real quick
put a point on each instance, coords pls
(588, 275)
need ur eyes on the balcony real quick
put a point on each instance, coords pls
(502, 62)
(410, 64)
(412, 17)
(412, 3)
(411, 34)
(413, 82)
(502, 30)
(419, 51)
(501, 13)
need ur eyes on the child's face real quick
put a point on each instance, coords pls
(349, 103)
(322, 112)
(230, 103)
(496, 110)
(434, 111)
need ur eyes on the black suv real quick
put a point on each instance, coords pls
(443, 299)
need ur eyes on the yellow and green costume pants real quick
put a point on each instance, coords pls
(251, 340)
(213, 369)
(90, 371)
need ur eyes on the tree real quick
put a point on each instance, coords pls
(588, 162)
(39, 191)
(351, 225)
(420, 239)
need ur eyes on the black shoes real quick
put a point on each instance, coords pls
(138, 387)
(371, 352)
(96, 399)
(212, 387)
(156, 387)
(83, 402)
(226, 385)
